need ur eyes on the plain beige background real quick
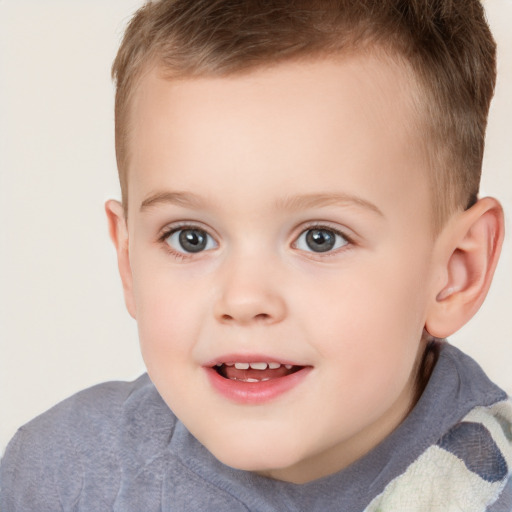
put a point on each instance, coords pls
(63, 325)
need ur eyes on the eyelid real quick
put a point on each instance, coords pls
(172, 228)
(324, 225)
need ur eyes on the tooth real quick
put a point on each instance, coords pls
(219, 364)
(288, 366)
(229, 364)
(242, 366)
(265, 379)
(258, 366)
(251, 380)
(274, 366)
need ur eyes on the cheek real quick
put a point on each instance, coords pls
(168, 321)
(168, 315)
(378, 314)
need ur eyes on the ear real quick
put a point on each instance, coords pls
(470, 249)
(118, 230)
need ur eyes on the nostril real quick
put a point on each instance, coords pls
(262, 316)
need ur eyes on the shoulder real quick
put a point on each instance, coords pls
(459, 453)
(90, 415)
(482, 441)
(469, 468)
(476, 457)
(81, 441)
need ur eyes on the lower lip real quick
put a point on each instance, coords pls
(255, 392)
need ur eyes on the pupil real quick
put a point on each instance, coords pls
(320, 240)
(192, 240)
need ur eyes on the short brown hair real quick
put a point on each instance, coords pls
(446, 43)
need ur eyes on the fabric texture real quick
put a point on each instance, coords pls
(118, 447)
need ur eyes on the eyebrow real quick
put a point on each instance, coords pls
(184, 199)
(292, 203)
(304, 201)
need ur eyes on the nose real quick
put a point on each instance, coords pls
(249, 293)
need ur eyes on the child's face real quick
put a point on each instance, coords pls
(281, 217)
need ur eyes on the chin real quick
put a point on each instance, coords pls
(256, 459)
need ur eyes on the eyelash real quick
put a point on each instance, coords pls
(349, 242)
(181, 256)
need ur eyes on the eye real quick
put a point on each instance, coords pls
(190, 240)
(320, 240)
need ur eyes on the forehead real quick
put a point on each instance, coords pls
(346, 122)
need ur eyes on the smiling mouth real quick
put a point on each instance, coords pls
(255, 372)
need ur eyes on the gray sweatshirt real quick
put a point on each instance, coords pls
(118, 447)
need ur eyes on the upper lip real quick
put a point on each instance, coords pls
(250, 358)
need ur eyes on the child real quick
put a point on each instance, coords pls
(299, 230)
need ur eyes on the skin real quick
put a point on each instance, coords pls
(254, 161)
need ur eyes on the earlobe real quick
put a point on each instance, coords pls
(472, 247)
(118, 230)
